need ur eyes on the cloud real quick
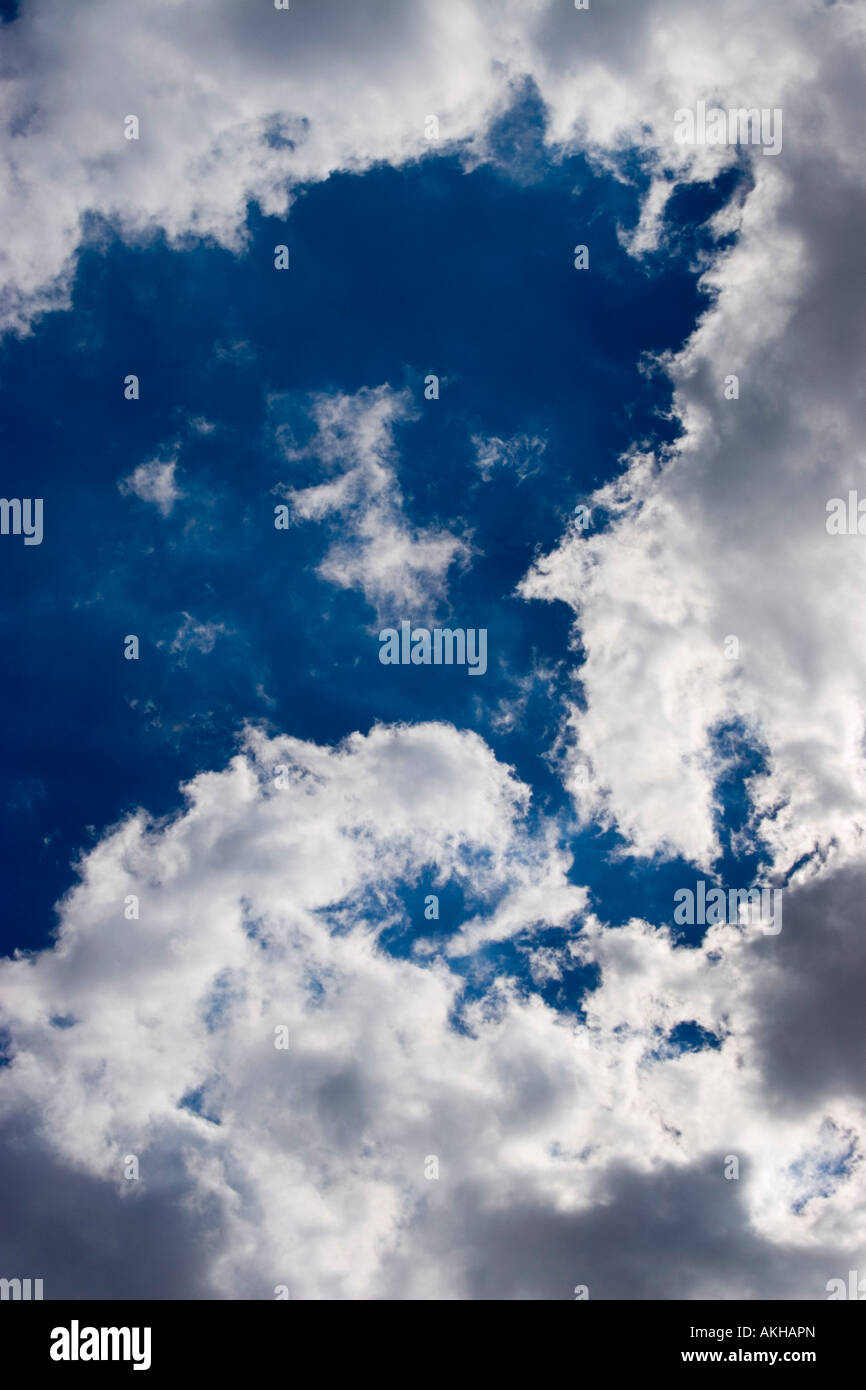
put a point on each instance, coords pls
(522, 453)
(577, 1143)
(723, 537)
(153, 482)
(399, 568)
(240, 104)
(195, 636)
(587, 1134)
(724, 534)
(235, 104)
(201, 425)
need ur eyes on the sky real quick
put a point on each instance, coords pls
(329, 978)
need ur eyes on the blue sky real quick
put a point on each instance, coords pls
(393, 274)
(581, 1068)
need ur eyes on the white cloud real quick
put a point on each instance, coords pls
(153, 482)
(556, 1133)
(726, 537)
(261, 906)
(235, 103)
(730, 538)
(241, 104)
(400, 569)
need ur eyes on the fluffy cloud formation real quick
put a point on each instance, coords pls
(564, 1139)
(240, 104)
(235, 103)
(726, 537)
(399, 569)
(574, 1145)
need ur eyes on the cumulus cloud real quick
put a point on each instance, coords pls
(575, 1145)
(724, 535)
(240, 104)
(570, 1134)
(400, 569)
(235, 104)
(724, 538)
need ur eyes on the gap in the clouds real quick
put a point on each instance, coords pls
(820, 1172)
(689, 1036)
(741, 756)
(454, 904)
(63, 1021)
(398, 912)
(196, 1102)
(693, 204)
(394, 274)
(624, 885)
(218, 1005)
(499, 965)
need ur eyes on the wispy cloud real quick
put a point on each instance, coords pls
(397, 566)
(153, 482)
